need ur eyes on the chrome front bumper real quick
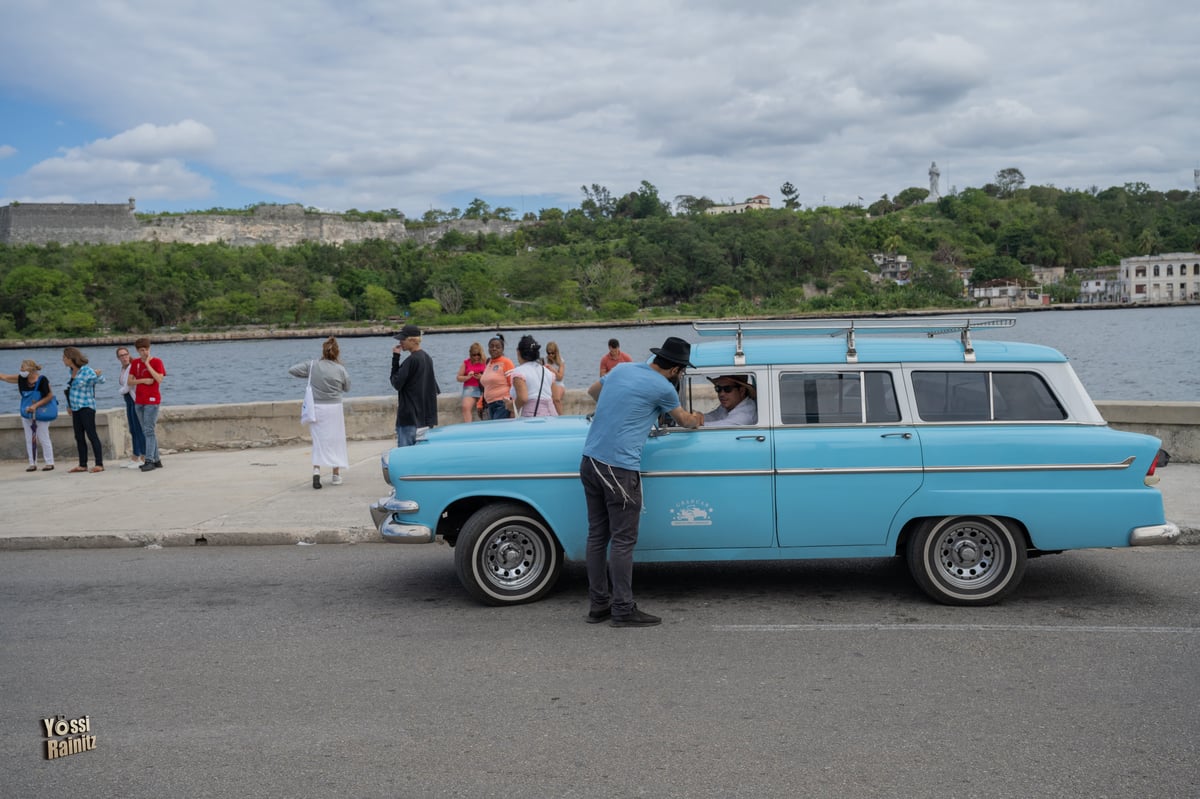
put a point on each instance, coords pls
(1164, 533)
(385, 514)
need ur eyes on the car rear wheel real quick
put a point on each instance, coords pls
(505, 555)
(967, 560)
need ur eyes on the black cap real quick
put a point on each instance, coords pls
(675, 350)
(408, 331)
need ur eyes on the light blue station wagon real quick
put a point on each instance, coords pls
(964, 457)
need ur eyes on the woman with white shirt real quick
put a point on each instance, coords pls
(533, 383)
(135, 427)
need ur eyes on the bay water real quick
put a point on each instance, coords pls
(1119, 354)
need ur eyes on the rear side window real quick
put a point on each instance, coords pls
(966, 396)
(838, 398)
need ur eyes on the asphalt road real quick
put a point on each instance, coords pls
(363, 671)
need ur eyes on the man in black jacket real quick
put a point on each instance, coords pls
(416, 387)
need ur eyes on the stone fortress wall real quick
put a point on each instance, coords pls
(68, 223)
(278, 225)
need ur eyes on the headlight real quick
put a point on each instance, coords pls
(383, 463)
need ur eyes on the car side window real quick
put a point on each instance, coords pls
(698, 393)
(981, 396)
(1024, 396)
(809, 398)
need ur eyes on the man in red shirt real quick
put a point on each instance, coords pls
(613, 357)
(145, 375)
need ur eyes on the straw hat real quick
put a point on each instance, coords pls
(741, 380)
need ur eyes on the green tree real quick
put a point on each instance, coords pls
(425, 311)
(597, 202)
(791, 196)
(477, 209)
(1009, 181)
(378, 302)
(687, 204)
(999, 267)
(910, 196)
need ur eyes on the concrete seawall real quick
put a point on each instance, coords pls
(267, 424)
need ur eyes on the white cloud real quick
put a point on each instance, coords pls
(374, 105)
(148, 143)
(94, 179)
(7, 150)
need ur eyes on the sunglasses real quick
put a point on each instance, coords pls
(726, 389)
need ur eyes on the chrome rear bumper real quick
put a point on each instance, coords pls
(1164, 533)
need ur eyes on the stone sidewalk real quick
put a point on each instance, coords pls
(246, 496)
(264, 496)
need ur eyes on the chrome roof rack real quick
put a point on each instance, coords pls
(929, 326)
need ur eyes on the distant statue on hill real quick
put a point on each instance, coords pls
(934, 175)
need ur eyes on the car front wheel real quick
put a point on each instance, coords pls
(505, 555)
(967, 560)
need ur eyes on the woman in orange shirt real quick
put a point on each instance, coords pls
(497, 385)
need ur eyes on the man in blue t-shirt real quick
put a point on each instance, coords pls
(628, 401)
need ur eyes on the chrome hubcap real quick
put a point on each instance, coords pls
(513, 557)
(968, 556)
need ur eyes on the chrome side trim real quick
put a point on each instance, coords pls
(1028, 467)
(856, 470)
(1164, 533)
(1036, 467)
(427, 478)
(714, 473)
(430, 478)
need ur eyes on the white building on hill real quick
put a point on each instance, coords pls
(756, 203)
(1170, 277)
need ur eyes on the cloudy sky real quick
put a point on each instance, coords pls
(376, 104)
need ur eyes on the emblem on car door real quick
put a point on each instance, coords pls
(691, 513)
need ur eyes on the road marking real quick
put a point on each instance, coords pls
(989, 628)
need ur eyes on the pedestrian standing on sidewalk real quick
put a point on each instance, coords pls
(330, 382)
(628, 401)
(81, 405)
(135, 427)
(496, 382)
(146, 375)
(613, 358)
(556, 364)
(415, 384)
(468, 374)
(35, 392)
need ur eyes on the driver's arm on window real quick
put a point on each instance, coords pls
(687, 418)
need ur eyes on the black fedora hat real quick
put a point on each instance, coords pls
(675, 350)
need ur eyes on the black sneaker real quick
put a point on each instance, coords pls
(158, 464)
(636, 618)
(147, 467)
(316, 481)
(597, 616)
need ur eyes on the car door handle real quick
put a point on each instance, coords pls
(896, 435)
(753, 438)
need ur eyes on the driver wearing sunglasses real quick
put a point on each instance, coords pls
(737, 406)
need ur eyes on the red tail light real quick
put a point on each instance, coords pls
(1161, 459)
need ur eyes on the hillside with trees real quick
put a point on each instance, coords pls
(615, 257)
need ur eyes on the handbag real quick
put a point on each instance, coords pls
(44, 413)
(308, 410)
(538, 405)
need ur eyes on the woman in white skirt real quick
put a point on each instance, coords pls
(329, 382)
